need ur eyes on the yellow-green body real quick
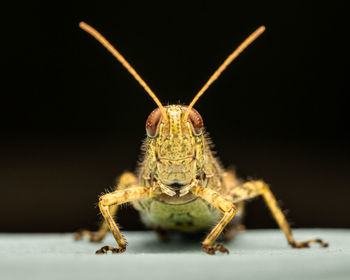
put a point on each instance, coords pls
(188, 216)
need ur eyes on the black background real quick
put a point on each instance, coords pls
(72, 118)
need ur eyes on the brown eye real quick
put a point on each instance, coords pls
(153, 122)
(196, 120)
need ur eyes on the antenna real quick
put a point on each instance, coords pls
(98, 36)
(223, 66)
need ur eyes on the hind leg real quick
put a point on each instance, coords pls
(126, 180)
(230, 182)
(252, 189)
(236, 225)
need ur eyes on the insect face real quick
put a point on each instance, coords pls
(174, 146)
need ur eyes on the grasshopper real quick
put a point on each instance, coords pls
(181, 185)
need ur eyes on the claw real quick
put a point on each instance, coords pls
(306, 244)
(211, 249)
(105, 249)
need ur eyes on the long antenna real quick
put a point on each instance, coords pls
(98, 36)
(223, 66)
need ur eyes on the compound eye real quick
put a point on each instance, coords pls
(196, 121)
(153, 121)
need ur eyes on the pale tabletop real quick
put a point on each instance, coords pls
(254, 254)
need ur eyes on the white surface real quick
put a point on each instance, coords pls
(254, 254)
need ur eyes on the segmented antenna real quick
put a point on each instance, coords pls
(98, 36)
(223, 66)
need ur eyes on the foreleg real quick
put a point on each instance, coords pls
(116, 198)
(222, 204)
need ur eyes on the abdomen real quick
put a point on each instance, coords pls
(189, 216)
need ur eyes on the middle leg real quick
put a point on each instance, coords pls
(126, 180)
